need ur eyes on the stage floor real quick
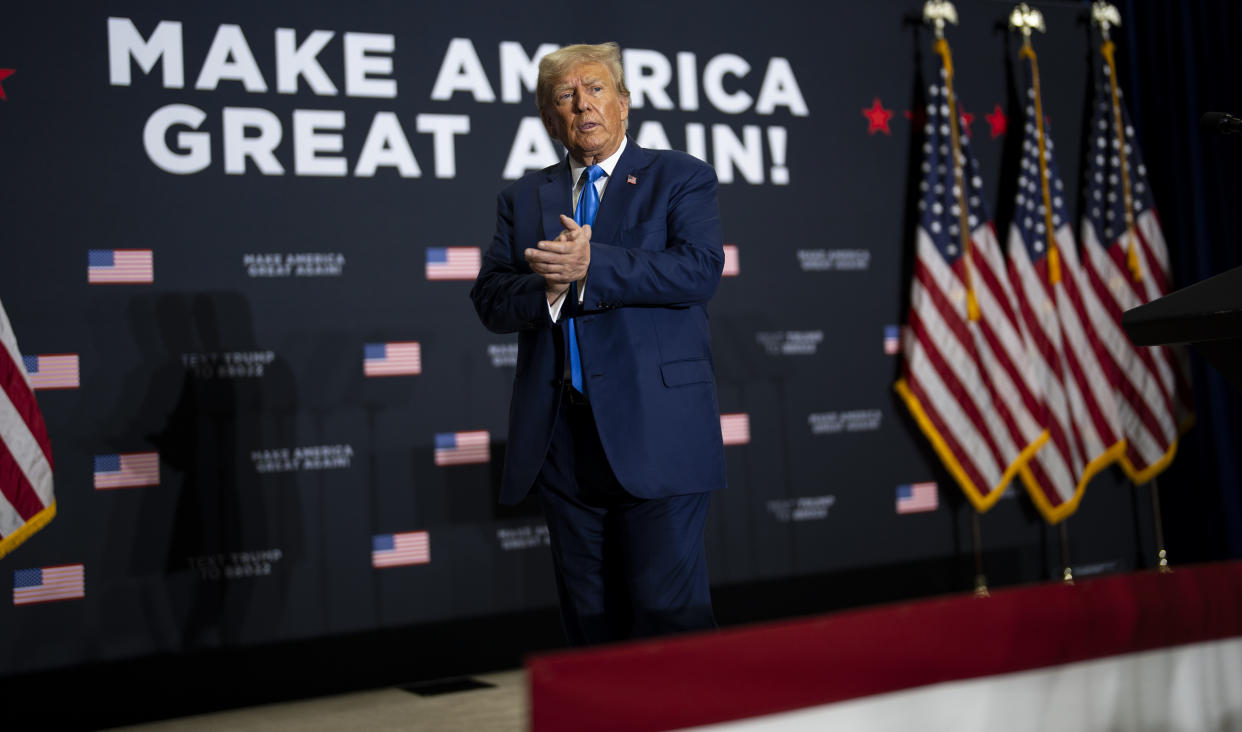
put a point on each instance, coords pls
(500, 708)
(1145, 649)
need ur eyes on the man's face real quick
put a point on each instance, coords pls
(587, 114)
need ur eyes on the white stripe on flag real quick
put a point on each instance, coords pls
(21, 443)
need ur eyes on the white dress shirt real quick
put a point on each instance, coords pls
(575, 175)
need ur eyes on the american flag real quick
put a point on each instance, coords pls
(463, 448)
(1075, 384)
(45, 584)
(917, 497)
(119, 266)
(395, 550)
(392, 359)
(964, 377)
(1127, 264)
(892, 339)
(26, 499)
(127, 470)
(453, 263)
(731, 266)
(52, 371)
(735, 428)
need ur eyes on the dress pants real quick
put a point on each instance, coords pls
(626, 567)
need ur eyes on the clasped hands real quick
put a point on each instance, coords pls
(564, 260)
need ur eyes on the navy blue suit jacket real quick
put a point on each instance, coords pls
(656, 259)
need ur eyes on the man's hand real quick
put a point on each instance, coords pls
(563, 260)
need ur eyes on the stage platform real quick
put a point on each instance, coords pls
(1145, 650)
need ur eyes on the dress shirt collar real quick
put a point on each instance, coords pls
(608, 164)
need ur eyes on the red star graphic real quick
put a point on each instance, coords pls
(918, 117)
(877, 118)
(4, 74)
(996, 120)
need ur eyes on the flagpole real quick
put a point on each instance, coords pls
(1067, 572)
(1105, 16)
(1162, 559)
(981, 579)
(937, 13)
(1027, 19)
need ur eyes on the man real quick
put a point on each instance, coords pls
(604, 264)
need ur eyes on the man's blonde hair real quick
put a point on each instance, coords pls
(556, 64)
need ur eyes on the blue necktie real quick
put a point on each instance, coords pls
(588, 204)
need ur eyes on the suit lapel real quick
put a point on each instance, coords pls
(554, 200)
(617, 195)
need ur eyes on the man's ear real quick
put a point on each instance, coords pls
(625, 109)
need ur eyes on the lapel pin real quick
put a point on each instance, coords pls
(631, 179)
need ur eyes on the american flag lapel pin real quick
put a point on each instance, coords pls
(631, 179)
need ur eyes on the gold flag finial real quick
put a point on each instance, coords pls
(1105, 15)
(1026, 19)
(938, 12)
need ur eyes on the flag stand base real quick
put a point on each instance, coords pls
(1162, 557)
(981, 579)
(1067, 572)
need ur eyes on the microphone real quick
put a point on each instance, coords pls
(1221, 123)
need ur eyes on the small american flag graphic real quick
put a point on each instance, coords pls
(892, 339)
(395, 550)
(735, 428)
(731, 266)
(45, 584)
(119, 266)
(917, 497)
(52, 371)
(392, 359)
(127, 470)
(463, 448)
(453, 263)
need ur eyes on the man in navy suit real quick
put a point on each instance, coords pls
(603, 264)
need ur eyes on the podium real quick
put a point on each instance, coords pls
(1207, 315)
